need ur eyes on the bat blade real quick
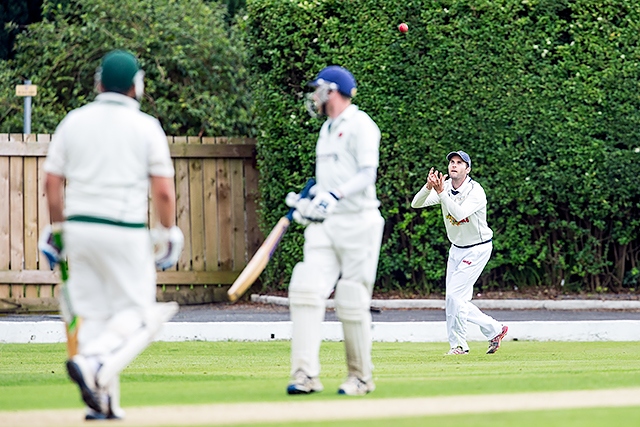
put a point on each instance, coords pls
(71, 321)
(259, 261)
(262, 256)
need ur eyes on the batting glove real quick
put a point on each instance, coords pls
(50, 244)
(292, 199)
(301, 206)
(322, 205)
(167, 245)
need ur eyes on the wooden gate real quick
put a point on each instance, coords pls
(216, 189)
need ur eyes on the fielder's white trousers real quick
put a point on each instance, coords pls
(463, 269)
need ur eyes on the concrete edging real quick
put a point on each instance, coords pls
(603, 330)
(495, 304)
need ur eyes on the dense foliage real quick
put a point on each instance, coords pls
(542, 93)
(20, 13)
(195, 74)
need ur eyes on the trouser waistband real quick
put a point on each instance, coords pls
(470, 246)
(96, 220)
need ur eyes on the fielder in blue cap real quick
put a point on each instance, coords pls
(464, 210)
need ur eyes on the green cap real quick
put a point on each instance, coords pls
(118, 70)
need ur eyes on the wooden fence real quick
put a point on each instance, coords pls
(216, 189)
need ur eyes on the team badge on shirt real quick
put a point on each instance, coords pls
(453, 221)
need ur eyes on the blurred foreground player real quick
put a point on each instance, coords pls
(109, 154)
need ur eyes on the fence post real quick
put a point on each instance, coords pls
(27, 111)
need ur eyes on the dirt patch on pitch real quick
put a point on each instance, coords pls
(343, 409)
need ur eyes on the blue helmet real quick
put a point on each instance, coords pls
(339, 78)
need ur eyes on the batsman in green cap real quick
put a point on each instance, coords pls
(109, 155)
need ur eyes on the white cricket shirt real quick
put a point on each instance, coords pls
(106, 151)
(464, 211)
(347, 144)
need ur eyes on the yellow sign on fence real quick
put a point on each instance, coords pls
(26, 90)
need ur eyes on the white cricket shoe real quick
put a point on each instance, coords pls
(354, 386)
(301, 383)
(81, 373)
(457, 351)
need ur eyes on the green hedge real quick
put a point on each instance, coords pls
(195, 79)
(543, 94)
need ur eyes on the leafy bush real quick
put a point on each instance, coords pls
(195, 73)
(543, 94)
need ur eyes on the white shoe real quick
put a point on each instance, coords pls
(85, 378)
(301, 383)
(354, 386)
(457, 351)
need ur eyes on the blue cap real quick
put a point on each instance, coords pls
(339, 78)
(464, 156)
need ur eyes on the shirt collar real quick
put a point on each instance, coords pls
(118, 98)
(346, 114)
(455, 191)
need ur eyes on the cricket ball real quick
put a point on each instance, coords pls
(403, 28)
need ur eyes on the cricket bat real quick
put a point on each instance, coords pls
(71, 321)
(262, 256)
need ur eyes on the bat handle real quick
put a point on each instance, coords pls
(57, 238)
(305, 191)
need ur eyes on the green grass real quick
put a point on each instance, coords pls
(228, 372)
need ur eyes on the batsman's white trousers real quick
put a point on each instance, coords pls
(463, 269)
(111, 269)
(346, 247)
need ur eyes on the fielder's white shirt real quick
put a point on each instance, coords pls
(464, 211)
(346, 144)
(106, 151)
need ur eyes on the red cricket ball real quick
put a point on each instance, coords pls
(403, 28)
